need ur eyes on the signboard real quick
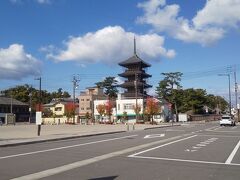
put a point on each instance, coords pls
(38, 118)
(182, 118)
(10, 118)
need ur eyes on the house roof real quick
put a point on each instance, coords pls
(8, 101)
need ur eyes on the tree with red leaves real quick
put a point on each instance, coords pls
(152, 107)
(109, 109)
(69, 110)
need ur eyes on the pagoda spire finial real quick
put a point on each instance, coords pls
(135, 52)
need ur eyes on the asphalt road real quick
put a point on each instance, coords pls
(192, 151)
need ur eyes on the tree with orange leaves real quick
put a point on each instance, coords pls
(101, 109)
(152, 107)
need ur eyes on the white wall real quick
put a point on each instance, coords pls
(121, 103)
(96, 103)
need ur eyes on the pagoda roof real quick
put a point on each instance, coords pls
(131, 84)
(134, 60)
(133, 73)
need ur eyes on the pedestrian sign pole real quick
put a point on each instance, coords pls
(38, 122)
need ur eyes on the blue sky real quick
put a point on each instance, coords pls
(56, 39)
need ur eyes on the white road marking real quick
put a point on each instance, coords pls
(161, 146)
(184, 160)
(153, 136)
(65, 147)
(230, 158)
(194, 147)
(201, 145)
(234, 127)
(60, 169)
(206, 142)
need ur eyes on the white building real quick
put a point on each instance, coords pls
(126, 106)
(104, 118)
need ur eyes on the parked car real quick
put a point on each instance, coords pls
(227, 120)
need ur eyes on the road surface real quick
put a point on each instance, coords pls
(191, 151)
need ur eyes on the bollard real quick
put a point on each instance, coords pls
(127, 127)
(133, 126)
(39, 130)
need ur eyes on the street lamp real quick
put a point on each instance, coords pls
(229, 90)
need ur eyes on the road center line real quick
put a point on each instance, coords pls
(60, 169)
(65, 147)
(230, 158)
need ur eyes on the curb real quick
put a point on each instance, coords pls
(162, 126)
(57, 139)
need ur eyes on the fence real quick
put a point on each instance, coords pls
(205, 117)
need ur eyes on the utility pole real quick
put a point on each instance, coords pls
(136, 95)
(30, 107)
(11, 109)
(229, 91)
(75, 85)
(39, 103)
(236, 93)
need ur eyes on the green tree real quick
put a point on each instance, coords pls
(109, 84)
(165, 88)
(60, 94)
(168, 88)
(23, 93)
(125, 116)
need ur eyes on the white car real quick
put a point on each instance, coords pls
(227, 120)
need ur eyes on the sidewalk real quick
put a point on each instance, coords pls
(26, 134)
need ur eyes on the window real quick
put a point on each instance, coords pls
(82, 99)
(128, 106)
(58, 108)
(82, 108)
(88, 108)
(88, 99)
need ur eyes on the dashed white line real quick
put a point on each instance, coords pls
(161, 146)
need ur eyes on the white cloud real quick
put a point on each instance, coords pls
(110, 45)
(208, 26)
(15, 63)
(43, 1)
(222, 13)
(37, 1)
